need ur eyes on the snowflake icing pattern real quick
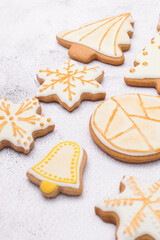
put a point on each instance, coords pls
(19, 121)
(141, 202)
(69, 82)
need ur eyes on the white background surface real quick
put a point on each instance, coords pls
(27, 44)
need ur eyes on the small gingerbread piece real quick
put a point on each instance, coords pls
(158, 26)
(70, 84)
(21, 123)
(104, 40)
(146, 72)
(127, 127)
(135, 211)
(60, 171)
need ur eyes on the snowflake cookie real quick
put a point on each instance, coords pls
(104, 40)
(135, 211)
(128, 127)
(146, 72)
(21, 123)
(60, 171)
(70, 84)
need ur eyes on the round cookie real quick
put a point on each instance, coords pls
(104, 40)
(127, 127)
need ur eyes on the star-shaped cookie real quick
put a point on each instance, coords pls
(21, 123)
(135, 211)
(70, 84)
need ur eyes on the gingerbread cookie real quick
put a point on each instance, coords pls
(60, 171)
(70, 84)
(146, 72)
(103, 40)
(21, 123)
(135, 211)
(128, 127)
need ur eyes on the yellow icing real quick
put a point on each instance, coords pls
(48, 187)
(52, 154)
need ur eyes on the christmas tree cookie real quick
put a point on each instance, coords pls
(70, 84)
(135, 211)
(146, 72)
(21, 123)
(128, 127)
(104, 40)
(60, 171)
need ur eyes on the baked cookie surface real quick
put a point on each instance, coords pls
(70, 84)
(103, 40)
(146, 72)
(21, 123)
(135, 211)
(158, 26)
(128, 127)
(60, 171)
